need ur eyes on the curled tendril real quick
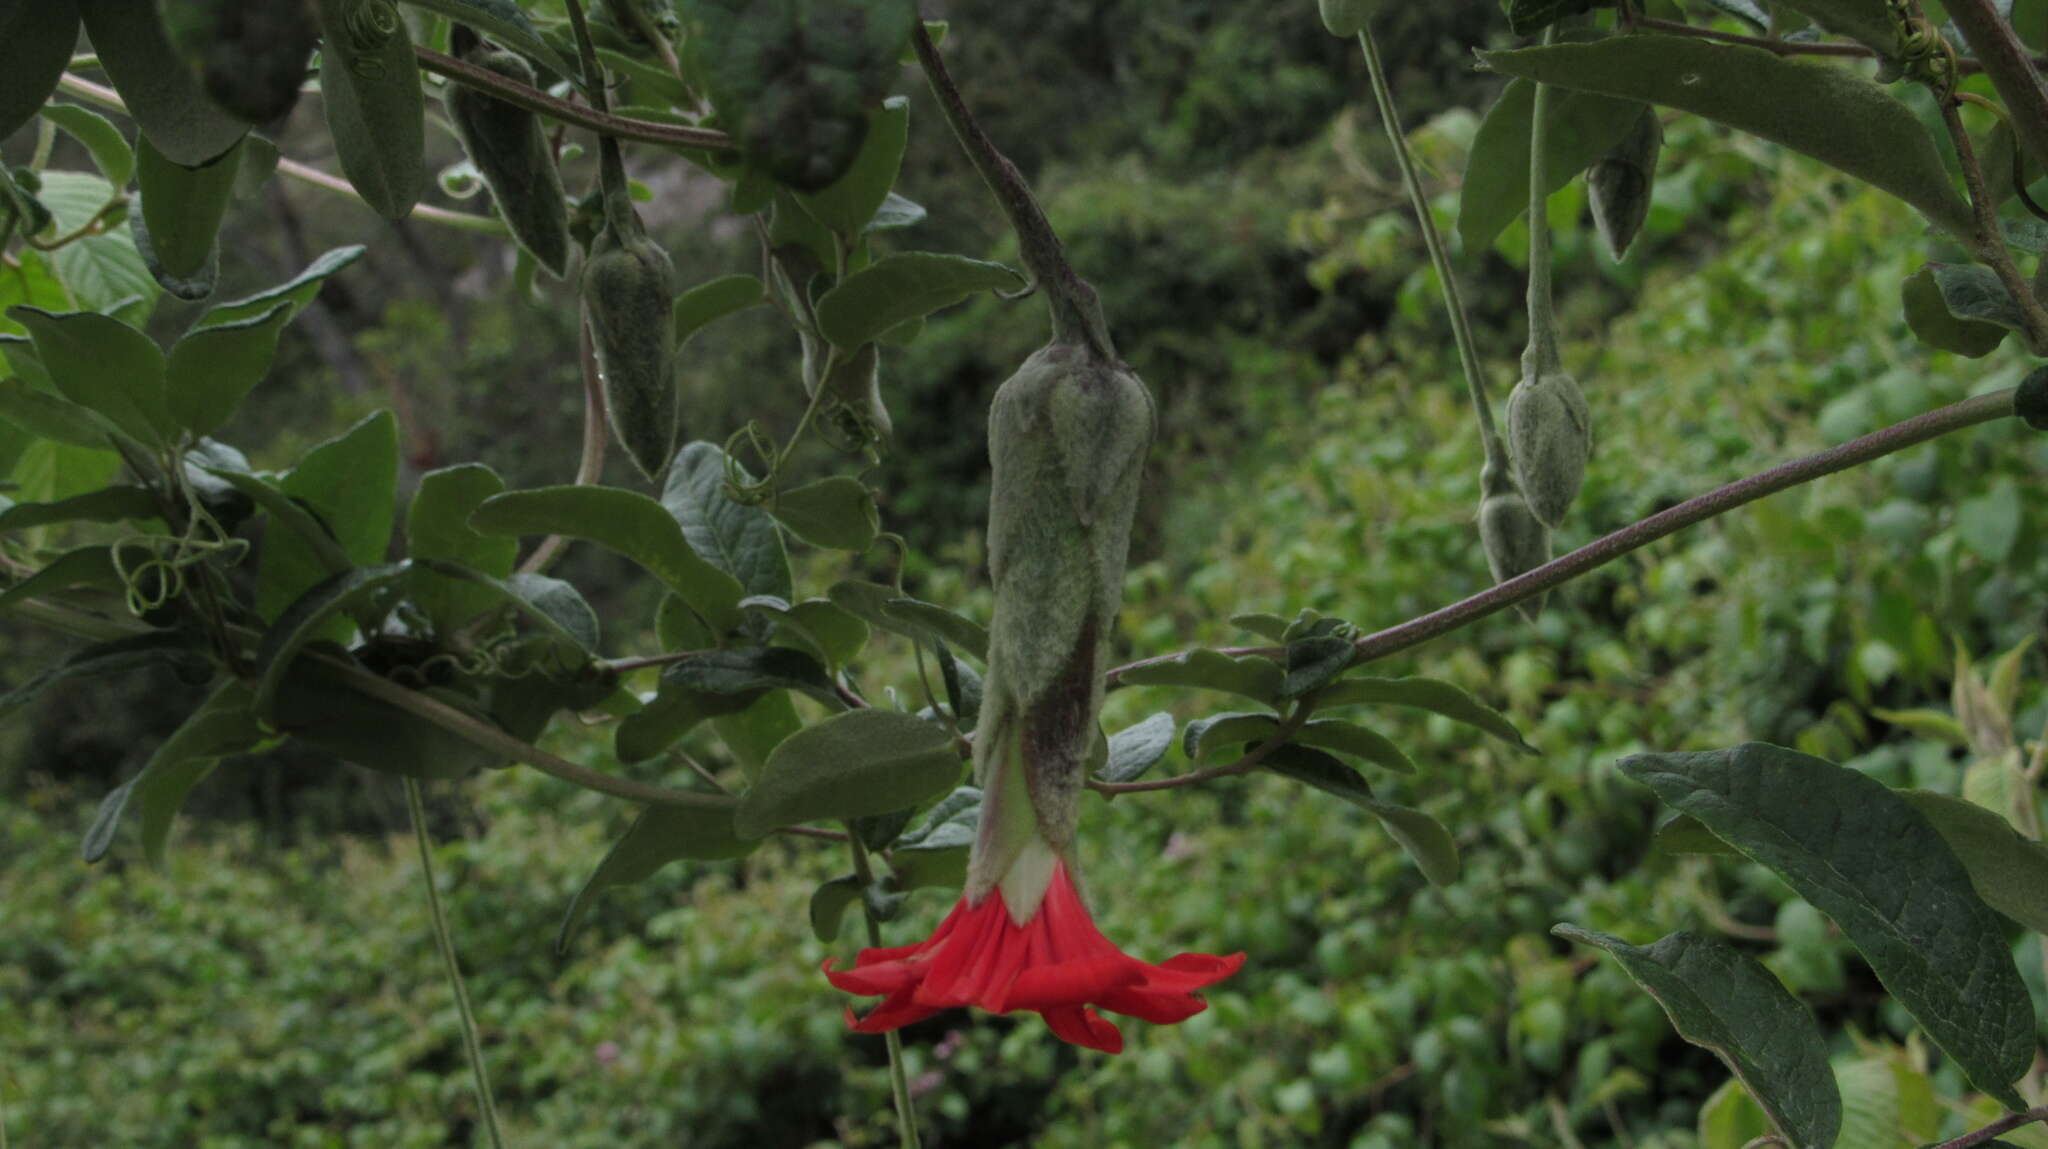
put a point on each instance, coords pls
(507, 657)
(846, 429)
(739, 486)
(370, 23)
(158, 576)
(1924, 54)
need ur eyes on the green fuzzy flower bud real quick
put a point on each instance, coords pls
(251, 56)
(511, 151)
(1067, 440)
(1550, 435)
(1515, 541)
(1619, 183)
(629, 288)
(853, 393)
(2031, 401)
(1346, 17)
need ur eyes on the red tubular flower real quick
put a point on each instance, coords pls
(1055, 962)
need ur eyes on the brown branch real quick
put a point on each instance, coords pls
(1442, 621)
(1897, 437)
(1076, 310)
(1990, 237)
(2004, 59)
(2005, 1124)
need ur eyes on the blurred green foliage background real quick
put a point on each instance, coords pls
(1214, 168)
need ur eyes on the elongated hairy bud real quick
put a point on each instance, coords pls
(511, 151)
(1550, 435)
(1067, 440)
(1619, 183)
(251, 55)
(1515, 541)
(629, 290)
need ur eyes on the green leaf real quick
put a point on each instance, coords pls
(737, 538)
(752, 734)
(107, 505)
(1424, 694)
(49, 417)
(1212, 736)
(624, 521)
(35, 44)
(658, 836)
(376, 113)
(1989, 524)
(560, 609)
(882, 608)
(848, 203)
(1262, 623)
(1251, 676)
(751, 671)
(696, 308)
(899, 288)
(1135, 749)
(259, 163)
(2008, 870)
(180, 220)
(162, 94)
(351, 483)
(286, 515)
(935, 853)
(1722, 1000)
(895, 212)
(828, 905)
(213, 368)
(505, 22)
(674, 712)
(1867, 21)
(103, 365)
(298, 291)
(110, 151)
(852, 764)
(1313, 661)
(1831, 113)
(150, 649)
(91, 567)
(1960, 308)
(1357, 741)
(437, 527)
(1423, 837)
(1866, 858)
(937, 621)
(1582, 127)
(814, 625)
(1683, 834)
(302, 621)
(837, 513)
(1925, 723)
(222, 725)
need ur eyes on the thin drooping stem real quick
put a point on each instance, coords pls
(899, 1078)
(602, 122)
(595, 435)
(1076, 310)
(1444, 620)
(109, 99)
(445, 941)
(1781, 47)
(1542, 356)
(2011, 71)
(2006, 1124)
(1439, 257)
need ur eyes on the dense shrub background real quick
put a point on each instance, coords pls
(278, 985)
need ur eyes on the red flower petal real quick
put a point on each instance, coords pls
(1057, 963)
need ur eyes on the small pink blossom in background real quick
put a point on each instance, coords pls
(1179, 847)
(607, 1052)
